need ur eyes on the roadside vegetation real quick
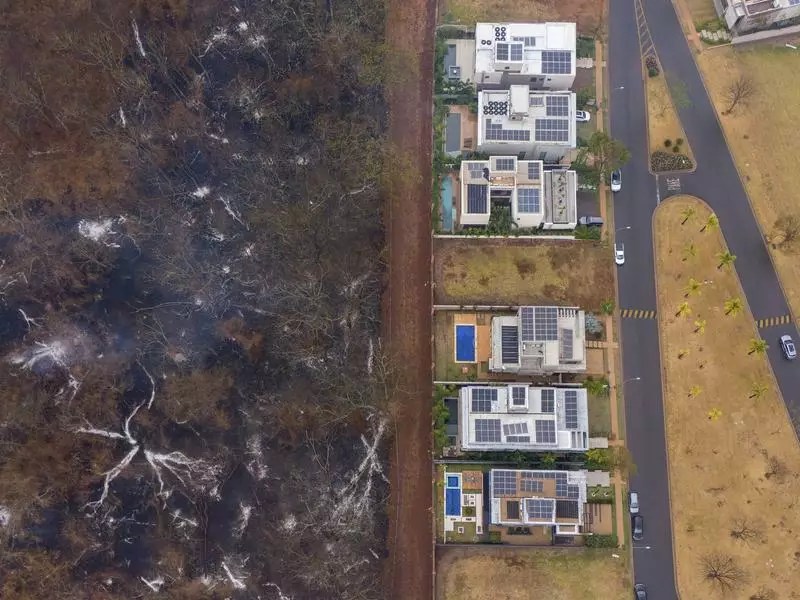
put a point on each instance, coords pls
(669, 150)
(733, 454)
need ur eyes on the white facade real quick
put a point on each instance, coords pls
(539, 340)
(541, 55)
(522, 417)
(536, 125)
(744, 16)
(537, 198)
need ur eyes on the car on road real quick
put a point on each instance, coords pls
(638, 527)
(633, 503)
(641, 591)
(616, 180)
(619, 253)
(583, 116)
(590, 221)
(787, 345)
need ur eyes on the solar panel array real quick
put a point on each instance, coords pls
(545, 323)
(548, 401)
(565, 490)
(530, 41)
(515, 428)
(529, 483)
(526, 323)
(477, 198)
(567, 509)
(533, 170)
(510, 344)
(528, 200)
(571, 409)
(476, 169)
(482, 399)
(516, 52)
(557, 106)
(545, 431)
(504, 483)
(552, 130)
(501, 51)
(536, 100)
(540, 508)
(495, 131)
(519, 439)
(518, 395)
(556, 62)
(566, 348)
(504, 164)
(487, 430)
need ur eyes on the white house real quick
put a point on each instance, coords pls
(746, 16)
(523, 417)
(541, 55)
(539, 340)
(538, 198)
(536, 125)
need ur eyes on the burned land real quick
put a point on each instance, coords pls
(195, 397)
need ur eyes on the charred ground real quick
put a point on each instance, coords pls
(194, 393)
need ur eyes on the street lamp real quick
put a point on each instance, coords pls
(623, 228)
(631, 379)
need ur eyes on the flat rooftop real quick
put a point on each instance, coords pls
(521, 115)
(527, 48)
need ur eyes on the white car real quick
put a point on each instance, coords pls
(616, 180)
(619, 253)
(583, 116)
(634, 503)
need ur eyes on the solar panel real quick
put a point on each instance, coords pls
(516, 52)
(545, 431)
(519, 439)
(518, 395)
(533, 170)
(565, 343)
(571, 409)
(495, 131)
(557, 106)
(567, 509)
(528, 484)
(482, 399)
(565, 490)
(551, 130)
(501, 51)
(476, 169)
(530, 42)
(477, 198)
(526, 323)
(540, 508)
(548, 401)
(515, 428)
(545, 323)
(504, 483)
(510, 344)
(487, 430)
(528, 200)
(504, 164)
(512, 509)
(536, 100)
(556, 62)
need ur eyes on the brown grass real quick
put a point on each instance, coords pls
(702, 10)
(662, 118)
(743, 465)
(511, 272)
(762, 136)
(586, 13)
(520, 574)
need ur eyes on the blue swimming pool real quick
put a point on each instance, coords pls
(447, 204)
(465, 343)
(452, 496)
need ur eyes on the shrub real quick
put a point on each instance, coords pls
(601, 541)
(582, 232)
(664, 161)
(667, 143)
(652, 66)
(678, 141)
(652, 72)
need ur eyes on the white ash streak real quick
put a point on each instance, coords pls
(153, 584)
(5, 516)
(281, 595)
(111, 475)
(238, 580)
(139, 45)
(245, 512)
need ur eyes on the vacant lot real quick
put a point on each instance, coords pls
(521, 574)
(702, 10)
(762, 134)
(586, 13)
(513, 272)
(733, 455)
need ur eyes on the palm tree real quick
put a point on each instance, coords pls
(684, 310)
(700, 326)
(726, 259)
(693, 287)
(733, 306)
(687, 214)
(714, 414)
(711, 223)
(758, 389)
(689, 251)
(757, 346)
(695, 391)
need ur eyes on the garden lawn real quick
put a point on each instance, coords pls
(733, 455)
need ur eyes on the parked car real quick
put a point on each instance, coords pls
(634, 503)
(583, 116)
(641, 591)
(787, 345)
(638, 527)
(591, 221)
(616, 180)
(619, 253)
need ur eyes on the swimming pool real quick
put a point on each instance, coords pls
(465, 343)
(447, 204)
(452, 496)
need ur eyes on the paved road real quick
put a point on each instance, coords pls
(717, 182)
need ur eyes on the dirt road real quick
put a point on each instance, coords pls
(407, 305)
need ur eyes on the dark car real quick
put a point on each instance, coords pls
(638, 527)
(641, 591)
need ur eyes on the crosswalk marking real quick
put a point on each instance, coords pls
(635, 313)
(772, 321)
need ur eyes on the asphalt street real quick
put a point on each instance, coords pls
(717, 182)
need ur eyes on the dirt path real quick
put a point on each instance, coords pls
(407, 304)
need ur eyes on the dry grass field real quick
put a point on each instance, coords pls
(662, 118)
(702, 10)
(525, 573)
(512, 272)
(733, 456)
(586, 13)
(762, 135)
